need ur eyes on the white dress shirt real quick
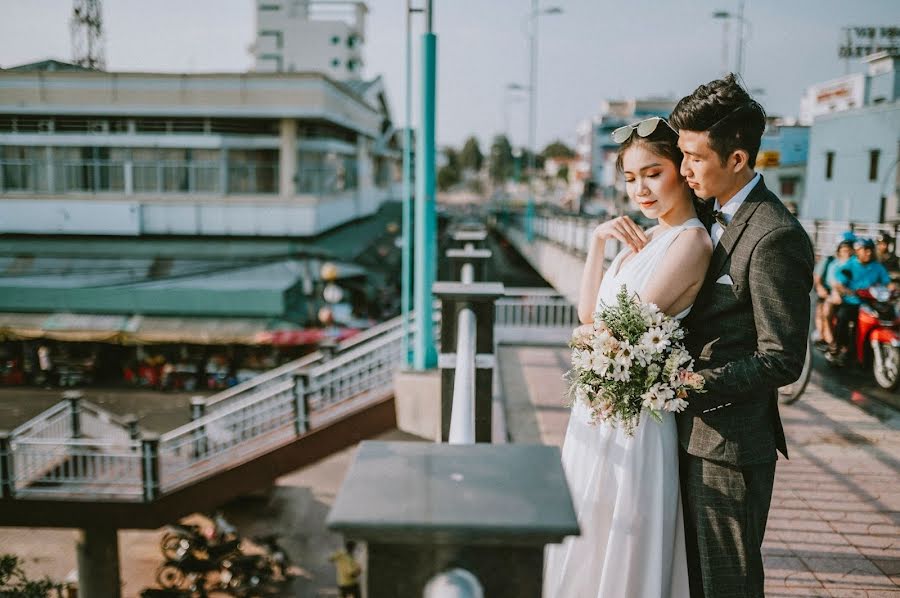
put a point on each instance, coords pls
(731, 208)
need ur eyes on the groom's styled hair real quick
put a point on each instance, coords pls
(725, 110)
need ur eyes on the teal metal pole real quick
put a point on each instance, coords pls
(425, 356)
(406, 267)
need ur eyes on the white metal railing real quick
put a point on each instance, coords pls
(53, 423)
(49, 468)
(288, 370)
(262, 419)
(366, 368)
(98, 423)
(573, 233)
(523, 316)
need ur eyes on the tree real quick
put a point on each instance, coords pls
(500, 161)
(558, 149)
(471, 158)
(14, 583)
(447, 176)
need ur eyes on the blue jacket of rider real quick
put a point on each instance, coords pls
(856, 275)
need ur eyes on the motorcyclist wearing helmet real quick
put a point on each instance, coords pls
(884, 252)
(823, 279)
(860, 272)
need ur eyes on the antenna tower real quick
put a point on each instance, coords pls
(87, 34)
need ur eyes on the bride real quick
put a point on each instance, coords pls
(625, 488)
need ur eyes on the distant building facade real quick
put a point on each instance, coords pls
(782, 158)
(306, 35)
(852, 171)
(258, 154)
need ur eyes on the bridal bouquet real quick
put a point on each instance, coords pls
(632, 361)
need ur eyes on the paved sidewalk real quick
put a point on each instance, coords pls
(834, 527)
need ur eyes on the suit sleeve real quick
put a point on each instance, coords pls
(780, 278)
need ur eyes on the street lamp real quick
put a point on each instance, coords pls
(742, 22)
(532, 108)
(509, 98)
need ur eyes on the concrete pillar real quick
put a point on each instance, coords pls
(198, 410)
(223, 170)
(7, 473)
(131, 422)
(480, 298)
(98, 563)
(51, 172)
(365, 183)
(287, 161)
(74, 398)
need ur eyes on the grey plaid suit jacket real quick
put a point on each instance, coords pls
(749, 338)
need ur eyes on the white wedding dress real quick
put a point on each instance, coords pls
(625, 489)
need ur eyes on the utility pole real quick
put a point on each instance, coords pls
(87, 34)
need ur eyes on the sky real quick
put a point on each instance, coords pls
(594, 50)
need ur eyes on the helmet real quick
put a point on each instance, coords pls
(865, 244)
(848, 236)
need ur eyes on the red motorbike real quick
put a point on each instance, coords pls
(877, 335)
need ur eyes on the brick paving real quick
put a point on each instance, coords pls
(834, 527)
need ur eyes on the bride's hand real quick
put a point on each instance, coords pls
(624, 230)
(583, 330)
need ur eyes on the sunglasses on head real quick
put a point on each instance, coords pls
(643, 128)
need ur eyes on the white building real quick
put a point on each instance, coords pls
(836, 95)
(852, 173)
(310, 36)
(258, 154)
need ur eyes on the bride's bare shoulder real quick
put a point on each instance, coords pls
(692, 248)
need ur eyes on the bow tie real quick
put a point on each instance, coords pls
(720, 218)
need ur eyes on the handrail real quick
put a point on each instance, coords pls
(292, 367)
(286, 369)
(32, 426)
(462, 414)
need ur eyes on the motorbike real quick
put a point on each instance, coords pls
(876, 335)
(276, 554)
(181, 539)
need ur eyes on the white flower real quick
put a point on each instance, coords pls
(675, 405)
(581, 359)
(619, 373)
(642, 354)
(657, 339)
(599, 363)
(625, 355)
(655, 398)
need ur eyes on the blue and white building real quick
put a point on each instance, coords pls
(852, 171)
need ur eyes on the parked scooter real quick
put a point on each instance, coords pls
(876, 335)
(181, 539)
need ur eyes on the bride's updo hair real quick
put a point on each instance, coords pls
(663, 142)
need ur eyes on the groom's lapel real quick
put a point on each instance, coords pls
(735, 229)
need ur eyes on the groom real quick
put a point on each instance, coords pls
(747, 333)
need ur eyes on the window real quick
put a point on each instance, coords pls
(351, 41)
(335, 40)
(829, 165)
(351, 64)
(874, 155)
(269, 7)
(335, 62)
(279, 38)
(788, 187)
